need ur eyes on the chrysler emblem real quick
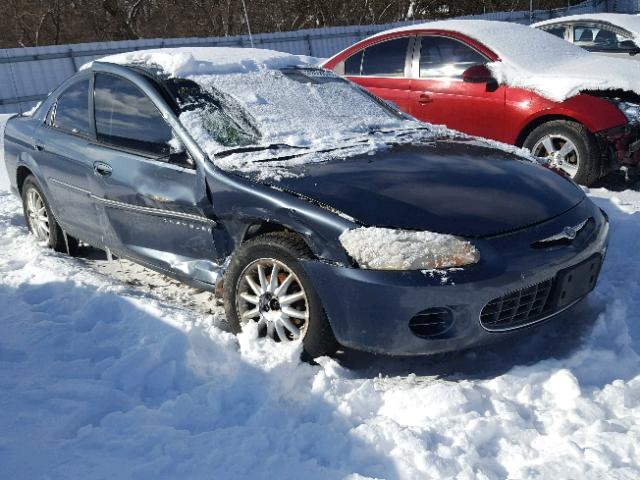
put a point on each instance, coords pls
(568, 233)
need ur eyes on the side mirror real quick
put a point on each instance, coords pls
(478, 74)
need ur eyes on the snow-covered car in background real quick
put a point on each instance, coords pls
(612, 34)
(324, 215)
(510, 83)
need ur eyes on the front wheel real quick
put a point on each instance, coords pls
(266, 284)
(568, 146)
(40, 220)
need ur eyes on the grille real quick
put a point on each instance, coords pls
(518, 308)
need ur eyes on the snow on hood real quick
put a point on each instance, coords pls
(538, 61)
(631, 23)
(296, 106)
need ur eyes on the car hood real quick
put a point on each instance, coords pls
(454, 187)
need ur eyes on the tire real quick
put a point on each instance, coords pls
(284, 250)
(55, 237)
(560, 132)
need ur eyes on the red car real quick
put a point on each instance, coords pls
(509, 83)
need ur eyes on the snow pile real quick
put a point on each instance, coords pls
(101, 380)
(630, 23)
(389, 249)
(194, 61)
(538, 61)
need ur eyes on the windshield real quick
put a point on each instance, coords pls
(297, 107)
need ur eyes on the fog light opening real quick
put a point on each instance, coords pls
(433, 322)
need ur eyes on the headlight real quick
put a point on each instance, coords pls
(631, 111)
(388, 249)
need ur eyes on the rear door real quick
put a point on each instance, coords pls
(61, 147)
(440, 96)
(383, 69)
(151, 196)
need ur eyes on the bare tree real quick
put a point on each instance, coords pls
(43, 22)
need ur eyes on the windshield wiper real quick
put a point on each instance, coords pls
(258, 148)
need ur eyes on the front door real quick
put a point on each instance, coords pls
(440, 96)
(154, 209)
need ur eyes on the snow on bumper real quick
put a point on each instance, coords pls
(372, 310)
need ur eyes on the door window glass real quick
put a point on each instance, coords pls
(353, 64)
(71, 112)
(126, 117)
(557, 31)
(446, 57)
(385, 59)
(601, 38)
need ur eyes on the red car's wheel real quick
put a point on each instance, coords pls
(570, 147)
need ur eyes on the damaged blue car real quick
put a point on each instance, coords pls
(316, 210)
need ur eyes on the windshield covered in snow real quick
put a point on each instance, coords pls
(253, 110)
(285, 117)
(298, 107)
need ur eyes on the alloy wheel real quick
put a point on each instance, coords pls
(37, 216)
(271, 294)
(560, 151)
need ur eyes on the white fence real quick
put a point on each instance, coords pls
(28, 74)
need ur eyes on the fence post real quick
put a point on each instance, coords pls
(73, 61)
(309, 46)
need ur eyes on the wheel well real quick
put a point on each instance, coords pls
(21, 176)
(531, 126)
(257, 229)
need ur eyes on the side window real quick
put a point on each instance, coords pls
(602, 38)
(353, 64)
(446, 57)
(126, 117)
(71, 111)
(584, 35)
(385, 59)
(557, 31)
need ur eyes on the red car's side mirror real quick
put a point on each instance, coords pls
(478, 74)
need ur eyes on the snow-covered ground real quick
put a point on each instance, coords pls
(109, 376)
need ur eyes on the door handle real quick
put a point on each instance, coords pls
(425, 99)
(102, 169)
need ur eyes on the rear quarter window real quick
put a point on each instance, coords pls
(384, 59)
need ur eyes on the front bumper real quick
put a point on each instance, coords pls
(371, 310)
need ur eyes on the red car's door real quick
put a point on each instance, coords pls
(383, 68)
(440, 95)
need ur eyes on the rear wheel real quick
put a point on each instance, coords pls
(568, 146)
(41, 222)
(266, 284)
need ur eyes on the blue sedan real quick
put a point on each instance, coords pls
(319, 212)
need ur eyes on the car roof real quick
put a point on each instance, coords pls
(193, 61)
(532, 46)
